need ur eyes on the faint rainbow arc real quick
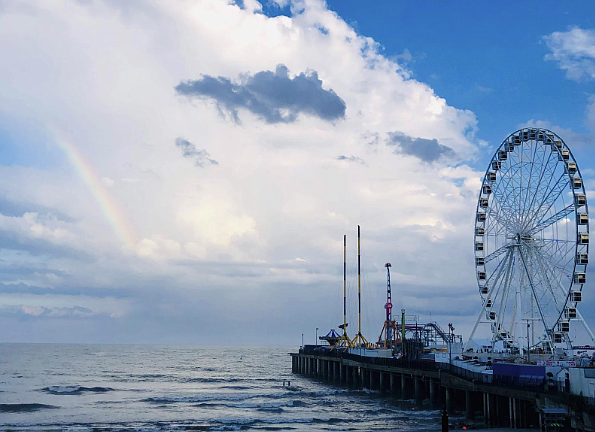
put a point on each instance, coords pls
(110, 210)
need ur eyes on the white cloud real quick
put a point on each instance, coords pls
(574, 51)
(107, 182)
(32, 226)
(105, 80)
(591, 112)
(570, 137)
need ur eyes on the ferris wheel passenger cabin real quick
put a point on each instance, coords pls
(580, 199)
(577, 183)
(582, 258)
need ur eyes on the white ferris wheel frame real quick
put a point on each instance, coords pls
(531, 240)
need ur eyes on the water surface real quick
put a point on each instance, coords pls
(58, 387)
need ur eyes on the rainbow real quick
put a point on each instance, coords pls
(113, 215)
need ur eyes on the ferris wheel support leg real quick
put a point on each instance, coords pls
(591, 335)
(532, 287)
(474, 327)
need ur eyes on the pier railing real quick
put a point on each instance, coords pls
(378, 361)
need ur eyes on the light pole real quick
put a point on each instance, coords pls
(450, 337)
(316, 336)
(528, 347)
(302, 340)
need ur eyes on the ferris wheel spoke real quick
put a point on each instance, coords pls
(502, 215)
(498, 199)
(500, 219)
(548, 201)
(505, 291)
(559, 248)
(506, 184)
(494, 278)
(513, 190)
(557, 292)
(510, 189)
(497, 253)
(551, 220)
(555, 247)
(546, 274)
(528, 189)
(555, 267)
(530, 280)
(542, 175)
(557, 256)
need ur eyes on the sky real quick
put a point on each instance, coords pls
(184, 171)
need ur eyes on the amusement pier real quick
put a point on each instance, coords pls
(536, 366)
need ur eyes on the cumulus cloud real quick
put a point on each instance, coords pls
(41, 234)
(275, 97)
(201, 157)
(427, 150)
(574, 52)
(278, 193)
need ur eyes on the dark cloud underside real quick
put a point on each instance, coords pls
(351, 159)
(427, 150)
(274, 97)
(201, 157)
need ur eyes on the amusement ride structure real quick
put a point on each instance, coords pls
(389, 330)
(344, 340)
(359, 340)
(531, 244)
(393, 333)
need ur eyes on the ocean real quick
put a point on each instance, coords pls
(64, 387)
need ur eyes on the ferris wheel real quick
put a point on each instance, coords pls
(532, 243)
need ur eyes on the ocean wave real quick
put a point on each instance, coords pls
(176, 379)
(277, 423)
(282, 420)
(241, 396)
(149, 377)
(206, 380)
(74, 390)
(26, 407)
(281, 399)
(277, 410)
(197, 399)
(381, 411)
(322, 393)
(235, 387)
(276, 428)
(332, 420)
